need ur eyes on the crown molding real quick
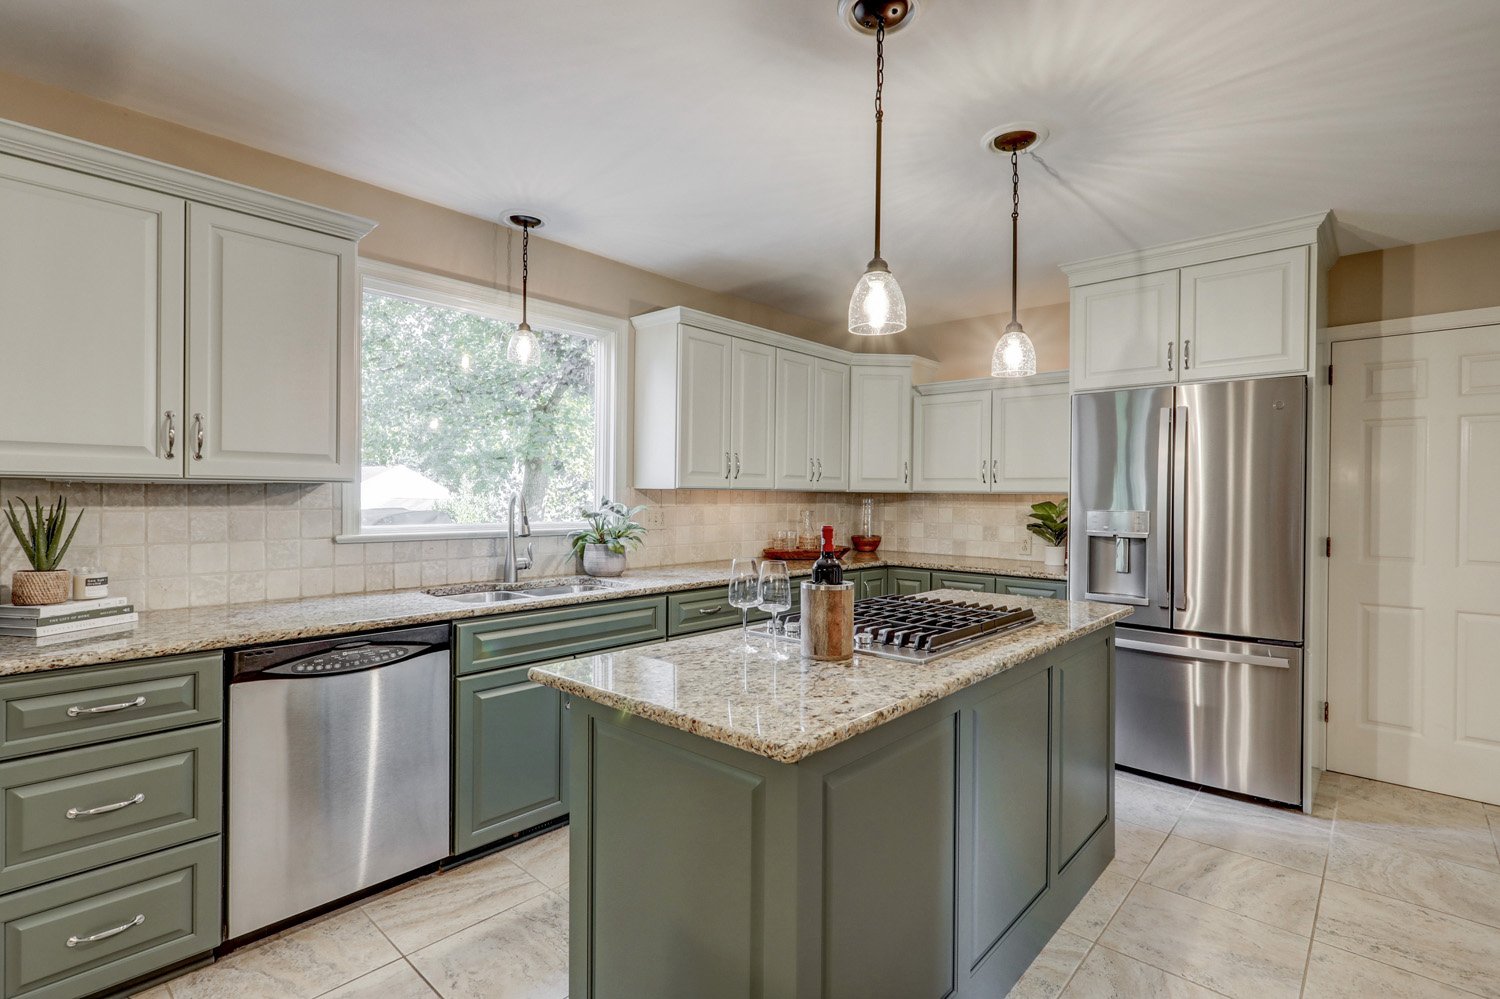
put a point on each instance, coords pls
(757, 334)
(1042, 381)
(64, 151)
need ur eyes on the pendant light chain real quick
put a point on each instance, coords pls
(1015, 225)
(525, 269)
(879, 118)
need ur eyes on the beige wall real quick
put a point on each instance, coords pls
(963, 347)
(1446, 275)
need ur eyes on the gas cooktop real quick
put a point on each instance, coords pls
(919, 629)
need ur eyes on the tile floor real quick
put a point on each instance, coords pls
(1382, 891)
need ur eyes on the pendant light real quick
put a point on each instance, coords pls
(1015, 357)
(877, 307)
(523, 347)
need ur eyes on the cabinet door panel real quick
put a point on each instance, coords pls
(1085, 760)
(795, 445)
(753, 429)
(963, 581)
(831, 416)
(1246, 316)
(91, 311)
(272, 328)
(1123, 331)
(953, 442)
(704, 367)
(1031, 441)
(880, 429)
(908, 581)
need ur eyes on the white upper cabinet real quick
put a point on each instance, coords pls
(91, 314)
(1031, 439)
(1124, 332)
(796, 461)
(831, 426)
(952, 434)
(1247, 316)
(272, 369)
(752, 424)
(880, 429)
(704, 454)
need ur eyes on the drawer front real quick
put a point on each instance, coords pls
(70, 708)
(536, 636)
(705, 610)
(963, 581)
(67, 812)
(908, 581)
(142, 916)
(1032, 587)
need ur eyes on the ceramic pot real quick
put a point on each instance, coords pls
(29, 588)
(1054, 556)
(866, 542)
(598, 560)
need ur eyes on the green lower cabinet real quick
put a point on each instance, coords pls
(904, 582)
(963, 581)
(93, 931)
(1085, 724)
(869, 583)
(509, 757)
(526, 637)
(1021, 587)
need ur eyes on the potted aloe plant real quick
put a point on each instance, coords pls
(1049, 521)
(44, 542)
(601, 545)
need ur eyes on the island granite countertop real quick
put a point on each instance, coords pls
(789, 709)
(203, 629)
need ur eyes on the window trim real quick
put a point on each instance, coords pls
(610, 401)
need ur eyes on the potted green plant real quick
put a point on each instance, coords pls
(601, 545)
(44, 542)
(1049, 521)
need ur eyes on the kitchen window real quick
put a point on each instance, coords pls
(450, 429)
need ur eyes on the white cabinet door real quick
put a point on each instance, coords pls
(1030, 440)
(91, 318)
(752, 419)
(952, 451)
(1244, 317)
(831, 419)
(880, 429)
(272, 350)
(704, 366)
(796, 464)
(1124, 332)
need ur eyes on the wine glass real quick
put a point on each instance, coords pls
(776, 597)
(744, 593)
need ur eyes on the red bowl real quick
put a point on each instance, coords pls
(866, 542)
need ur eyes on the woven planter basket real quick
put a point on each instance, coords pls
(29, 588)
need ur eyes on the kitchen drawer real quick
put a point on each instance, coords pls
(1022, 587)
(963, 581)
(171, 782)
(905, 582)
(536, 636)
(76, 707)
(144, 915)
(706, 610)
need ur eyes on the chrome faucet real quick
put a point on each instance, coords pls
(512, 563)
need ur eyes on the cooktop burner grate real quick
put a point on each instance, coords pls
(919, 629)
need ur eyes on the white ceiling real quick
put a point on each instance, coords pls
(731, 146)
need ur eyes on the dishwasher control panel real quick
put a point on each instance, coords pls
(346, 660)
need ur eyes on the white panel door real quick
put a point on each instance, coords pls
(91, 319)
(704, 368)
(1245, 317)
(796, 465)
(1124, 332)
(1030, 440)
(831, 423)
(880, 429)
(1414, 584)
(273, 325)
(952, 442)
(753, 415)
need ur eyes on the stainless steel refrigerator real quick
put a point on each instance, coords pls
(1188, 504)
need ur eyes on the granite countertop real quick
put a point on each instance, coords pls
(165, 633)
(788, 710)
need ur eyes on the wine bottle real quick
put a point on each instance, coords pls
(827, 569)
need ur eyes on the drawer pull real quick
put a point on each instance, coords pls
(78, 813)
(140, 918)
(706, 611)
(105, 709)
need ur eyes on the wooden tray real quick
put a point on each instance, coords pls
(802, 554)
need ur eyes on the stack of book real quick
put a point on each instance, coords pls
(76, 619)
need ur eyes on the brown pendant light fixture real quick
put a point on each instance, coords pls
(1015, 355)
(523, 347)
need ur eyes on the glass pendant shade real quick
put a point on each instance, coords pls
(522, 347)
(877, 307)
(1015, 357)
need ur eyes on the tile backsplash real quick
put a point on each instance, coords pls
(176, 545)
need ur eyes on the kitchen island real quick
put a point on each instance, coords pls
(750, 827)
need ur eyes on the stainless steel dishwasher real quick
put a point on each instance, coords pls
(338, 769)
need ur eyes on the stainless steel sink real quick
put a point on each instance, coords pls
(486, 596)
(567, 588)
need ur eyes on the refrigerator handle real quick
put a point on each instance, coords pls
(1161, 566)
(1180, 508)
